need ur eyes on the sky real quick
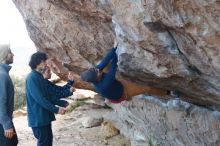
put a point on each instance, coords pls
(13, 31)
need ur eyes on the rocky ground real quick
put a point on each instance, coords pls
(70, 130)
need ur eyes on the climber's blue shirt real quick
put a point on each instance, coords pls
(108, 86)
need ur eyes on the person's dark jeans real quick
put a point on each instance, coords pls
(5, 141)
(44, 135)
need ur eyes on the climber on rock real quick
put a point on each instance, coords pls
(108, 86)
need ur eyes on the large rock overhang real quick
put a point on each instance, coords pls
(173, 45)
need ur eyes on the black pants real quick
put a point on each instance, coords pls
(5, 141)
(44, 135)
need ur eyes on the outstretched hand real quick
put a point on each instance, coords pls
(71, 76)
(72, 89)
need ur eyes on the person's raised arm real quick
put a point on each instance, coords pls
(107, 58)
(70, 80)
(58, 91)
(110, 75)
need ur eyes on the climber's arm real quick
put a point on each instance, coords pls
(107, 58)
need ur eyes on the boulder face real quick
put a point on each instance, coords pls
(166, 123)
(170, 44)
(75, 34)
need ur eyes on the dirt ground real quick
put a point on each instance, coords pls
(68, 130)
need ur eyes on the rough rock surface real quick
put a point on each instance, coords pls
(170, 123)
(92, 121)
(75, 34)
(170, 44)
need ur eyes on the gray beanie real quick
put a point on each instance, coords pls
(89, 75)
(4, 51)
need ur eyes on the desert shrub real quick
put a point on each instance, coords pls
(74, 105)
(151, 141)
(19, 97)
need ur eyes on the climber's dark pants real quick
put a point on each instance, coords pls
(44, 135)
